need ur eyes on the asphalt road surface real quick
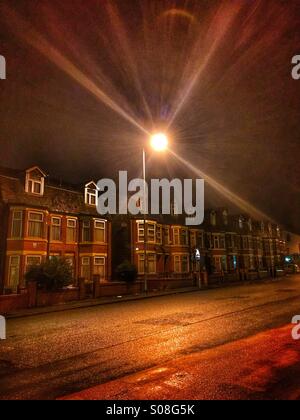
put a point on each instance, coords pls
(54, 355)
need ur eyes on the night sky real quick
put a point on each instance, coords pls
(87, 79)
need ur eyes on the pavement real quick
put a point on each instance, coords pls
(263, 367)
(89, 303)
(58, 354)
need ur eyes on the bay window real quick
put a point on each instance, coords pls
(35, 225)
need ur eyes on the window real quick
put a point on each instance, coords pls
(99, 231)
(85, 268)
(14, 272)
(177, 267)
(216, 241)
(17, 222)
(167, 236)
(151, 232)
(56, 229)
(141, 232)
(99, 266)
(213, 218)
(91, 194)
(35, 225)
(181, 263)
(201, 239)
(250, 225)
(159, 235)
(176, 233)
(86, 231)
(184, 264)
(141, 267)
(151, 262)
(32, 261)
(35, 181)
(71, 230)
(184, 237)
(225, 217)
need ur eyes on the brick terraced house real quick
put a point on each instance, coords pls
(41, 218)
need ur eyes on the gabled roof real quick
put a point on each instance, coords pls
(91, 183)
(36, 168)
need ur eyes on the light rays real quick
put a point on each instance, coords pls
(231, 196)
(33, 38)
(218, 29)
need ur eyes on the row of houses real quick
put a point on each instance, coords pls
(41, 218)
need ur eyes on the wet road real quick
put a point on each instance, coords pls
(49, 356)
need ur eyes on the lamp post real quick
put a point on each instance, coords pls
(159, 143)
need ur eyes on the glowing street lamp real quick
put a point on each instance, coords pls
(159, 143)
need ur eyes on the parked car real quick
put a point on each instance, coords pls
(292, 269)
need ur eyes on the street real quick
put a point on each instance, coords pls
(55, 355)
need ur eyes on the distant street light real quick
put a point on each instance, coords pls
(159, 143)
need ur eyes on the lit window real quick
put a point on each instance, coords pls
(35, 180)
(14, 272)
(35, 225)
(91, 194)
(99, 266)
(17, 222)
(176, 234)
(141, 233)
(151, 232)
(213, 218)
(86, 231)
(177, 266)
(99, 232)
(151, 264)
(55, 228)
(181, 263)
(71, 230)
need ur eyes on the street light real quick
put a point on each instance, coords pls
(159, 143)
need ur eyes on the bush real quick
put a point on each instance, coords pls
(52, 275)
(126, 272)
